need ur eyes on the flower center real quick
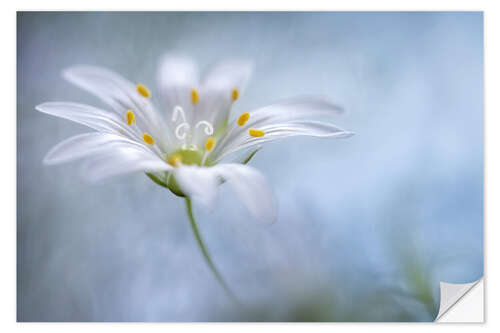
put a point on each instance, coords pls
(185, 156)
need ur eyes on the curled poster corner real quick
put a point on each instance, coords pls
(454, 293)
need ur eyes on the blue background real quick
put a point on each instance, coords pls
(367, 226)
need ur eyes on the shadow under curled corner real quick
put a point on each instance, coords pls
(455, 294)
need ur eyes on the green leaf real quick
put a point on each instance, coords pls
(249, 157)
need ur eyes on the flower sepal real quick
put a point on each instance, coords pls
(173, 186)
(169, 183)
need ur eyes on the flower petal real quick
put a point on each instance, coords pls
(305, 107)
(100, 120)
(106, 155)
(121, 160)
(251, 187)
(83, 145)
(221, 87)
(280, 131)
(198, 183)
(110, 87)
(177, 77)
(249, 184)
(119, 93)
(228, 75)
(281, 120)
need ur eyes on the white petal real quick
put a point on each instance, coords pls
(90, 116)
(216, 97)
(305, 107)
(177, 76)
(295, 109)
(83, 145)
(229, 75)
(281, 120)
(250, 185)
(121, 160)
(106, 155)
(119, 93)
(252, 188)
(280, 131)
(200, 183)
(109, 86)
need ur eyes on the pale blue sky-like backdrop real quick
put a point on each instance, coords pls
(367, 226)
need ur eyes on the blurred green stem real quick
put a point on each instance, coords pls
(203, 249)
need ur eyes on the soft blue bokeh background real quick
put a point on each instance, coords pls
(358, 218)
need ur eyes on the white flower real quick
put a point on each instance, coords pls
(182, 146)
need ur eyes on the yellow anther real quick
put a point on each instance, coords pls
(148, 139)
(243, 118)
(210, 143)
(175, 160)
(235, 94)
(194, 96)
(256, 132)
(130, 117)
(141, 89)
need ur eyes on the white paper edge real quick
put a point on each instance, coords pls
(461, 303)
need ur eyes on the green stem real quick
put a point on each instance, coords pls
(203, 249)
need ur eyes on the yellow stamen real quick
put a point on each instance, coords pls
(130, 117)
(256, 132)
(175, 160)
(209, 144)
(235, 94)
(141, 89)
(243, 118)
(148, 139)
(194, 96)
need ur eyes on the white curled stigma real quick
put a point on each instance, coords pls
(183, 126)
(178, 110)
(182, 130)
(209, 129)
(178, 134)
